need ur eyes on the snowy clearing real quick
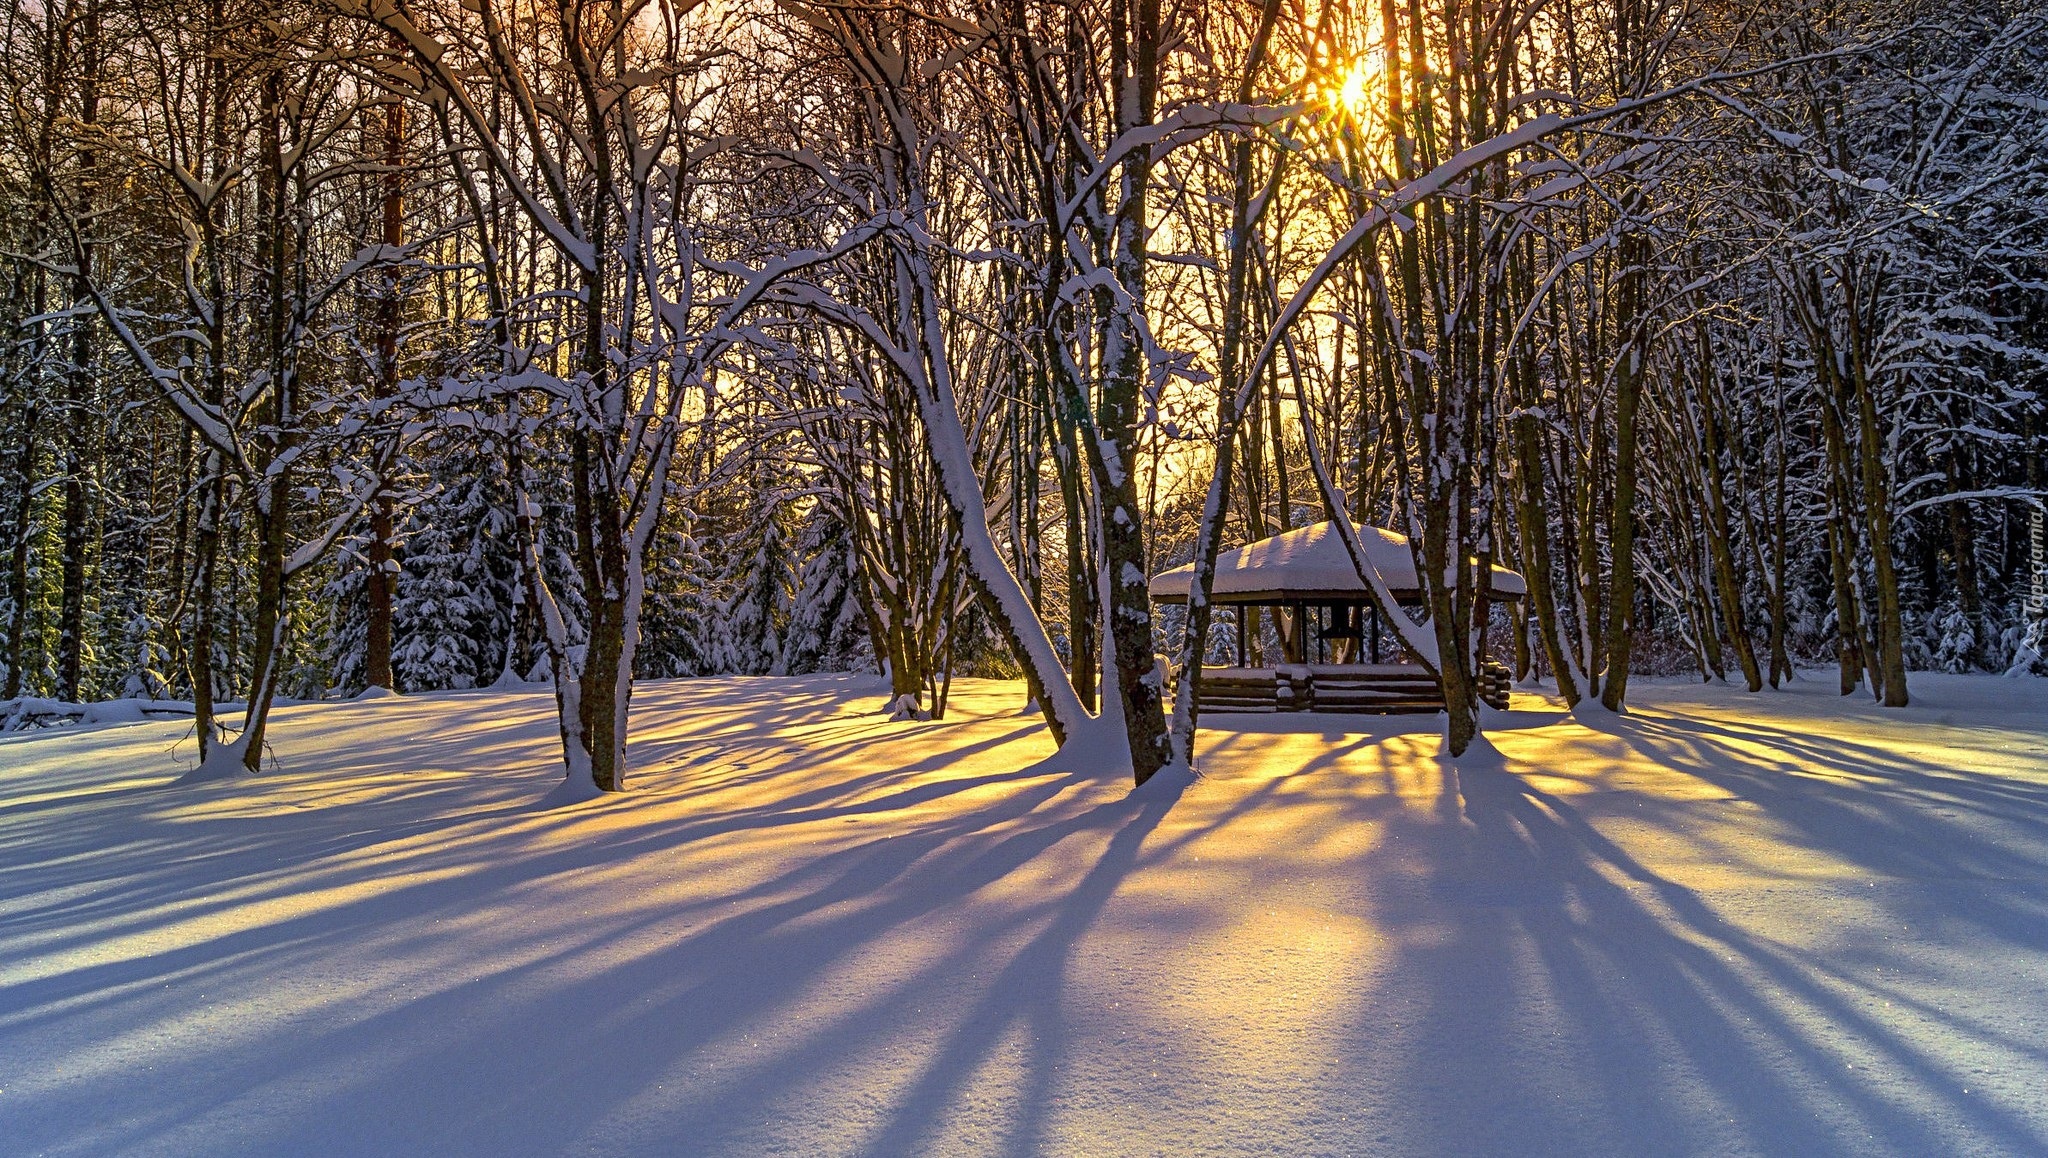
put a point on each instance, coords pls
(1778, 924)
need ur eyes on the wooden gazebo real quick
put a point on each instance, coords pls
(1332, 642)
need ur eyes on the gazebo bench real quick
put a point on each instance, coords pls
(1381, 688)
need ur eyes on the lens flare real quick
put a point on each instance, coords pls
(1353, 95)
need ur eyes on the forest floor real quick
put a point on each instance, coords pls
(1787, 923)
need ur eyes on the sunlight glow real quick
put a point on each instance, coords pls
(1354, 94)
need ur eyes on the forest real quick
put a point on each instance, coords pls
(438, 344)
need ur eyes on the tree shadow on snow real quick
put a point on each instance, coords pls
(1566, 998)
(490, 1040)
(1546, 992)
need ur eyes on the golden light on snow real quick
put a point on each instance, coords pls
(808, 929)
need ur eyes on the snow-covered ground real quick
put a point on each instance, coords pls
(1781, 924)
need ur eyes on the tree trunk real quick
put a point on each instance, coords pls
(1628, 389)
(383, 577)
(19, 522)
(1718, 528)
(272, 489)
(81, 416)
(1842, 557)
(1533, 517)
(1780, 535)
(1082, 619)
(205, 569)
(1113, 461)
(1209, 533)
(598, 702)
(1890, 626)
(1962, 543)
(273, 620)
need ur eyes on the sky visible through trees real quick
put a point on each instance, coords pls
(424, 344)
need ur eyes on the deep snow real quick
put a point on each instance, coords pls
(1782, 924)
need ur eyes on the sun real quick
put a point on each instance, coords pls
(1351, 90)
(1355, 93)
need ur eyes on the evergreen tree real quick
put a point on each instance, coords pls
(683, 607)
(823, 611)
(451, 610)
(758, 607)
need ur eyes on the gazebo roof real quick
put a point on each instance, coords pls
(1310, 564)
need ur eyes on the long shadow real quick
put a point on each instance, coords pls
(1885, 815)
(1028, 993)
(1605, 1007)
(748, 969)
(210, 855)
(712, 966)
(1612, 1009)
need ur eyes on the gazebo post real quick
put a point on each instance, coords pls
(1240, 635)
(1375, 633)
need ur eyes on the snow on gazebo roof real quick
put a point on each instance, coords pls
(1311, 564)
